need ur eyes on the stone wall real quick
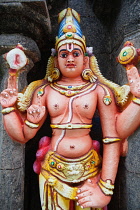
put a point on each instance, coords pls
(28, 23)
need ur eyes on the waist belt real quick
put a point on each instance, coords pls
(60, 187)
(70, 126)
(71, 170)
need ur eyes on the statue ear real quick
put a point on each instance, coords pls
(86, 62)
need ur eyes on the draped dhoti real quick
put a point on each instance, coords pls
(60, 177)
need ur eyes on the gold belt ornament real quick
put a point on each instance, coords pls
(70, 126)
(71, 170)
(60, 187)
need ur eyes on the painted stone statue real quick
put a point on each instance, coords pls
(72, 175)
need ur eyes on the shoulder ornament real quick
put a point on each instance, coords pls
(107, 98)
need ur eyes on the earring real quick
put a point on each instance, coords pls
(55, 74)
(52, 72)
(88, 74)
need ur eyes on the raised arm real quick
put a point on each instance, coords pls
(20, 127)
(129, 120)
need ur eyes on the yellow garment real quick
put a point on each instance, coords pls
(56, 192)
(71, 170)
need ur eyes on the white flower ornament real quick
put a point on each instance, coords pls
(16, 59)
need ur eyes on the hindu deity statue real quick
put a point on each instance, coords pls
(72, 174)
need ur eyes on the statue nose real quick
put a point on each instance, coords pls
(70, 59)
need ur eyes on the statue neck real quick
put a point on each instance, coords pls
(71, 81)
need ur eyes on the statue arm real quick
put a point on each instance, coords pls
(13, 125)
(111, 152)
(129, 119)
(16, 126)
(90, 194)
(14, 121)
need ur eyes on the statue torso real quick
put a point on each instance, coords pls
(75, 110)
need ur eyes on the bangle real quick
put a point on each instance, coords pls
(106, 186)
(8, 110)
(109, 140)
(105, 190)
(31, 125)
(136, 100)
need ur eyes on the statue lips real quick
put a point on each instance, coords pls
(70, 65)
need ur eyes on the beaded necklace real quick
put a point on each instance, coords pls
(71, 90)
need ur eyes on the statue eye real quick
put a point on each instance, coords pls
(63, 55)
(76, 54)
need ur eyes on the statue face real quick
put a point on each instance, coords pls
(71, 62)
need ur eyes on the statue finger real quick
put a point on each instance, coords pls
(4, 94)
(132, 75)
(34, 106)
(39, 101)
(30, 111)
(82, 190)
(12, 82)
(87, 205)
(12, 92)
(3, 101)
(43, 108)
(89, 181)
(38, 110)
(85, 202)
(34, 111)
(84, 194)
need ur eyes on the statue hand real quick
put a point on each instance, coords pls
(90, 195)
(129, 57)
(35, 113)
(8, 97)
(134, 80)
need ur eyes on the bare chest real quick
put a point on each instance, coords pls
(83, 106)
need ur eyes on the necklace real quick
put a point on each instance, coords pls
(71, 87)
(70, 91)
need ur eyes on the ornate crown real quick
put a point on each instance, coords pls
(69, 29)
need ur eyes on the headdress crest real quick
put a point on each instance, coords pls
(69, 29)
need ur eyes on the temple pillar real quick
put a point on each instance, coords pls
(12, 153)
(26, 22)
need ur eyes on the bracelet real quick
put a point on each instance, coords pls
(105, 190)
(8, 110)
(31, 125)
(109, 140)
(136, 100)
(106, 186)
